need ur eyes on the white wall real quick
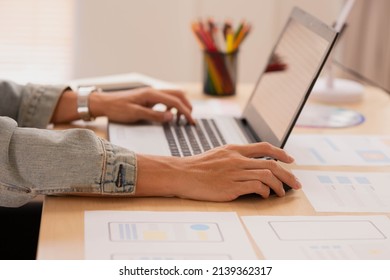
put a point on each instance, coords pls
(154, 37)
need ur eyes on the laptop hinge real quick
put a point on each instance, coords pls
(247, 130)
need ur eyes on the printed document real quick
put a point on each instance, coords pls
(353, 150)
(147, 235)
(321, 237)
(346, 191)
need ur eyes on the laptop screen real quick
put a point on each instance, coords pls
(292, 69)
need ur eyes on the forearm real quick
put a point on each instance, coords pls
(75, 161)
(160, 175)
(66, 109)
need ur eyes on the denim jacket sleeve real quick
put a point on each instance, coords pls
(40, 161)
(30, 105)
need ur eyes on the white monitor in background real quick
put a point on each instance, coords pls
(365, 47)
(330, 89)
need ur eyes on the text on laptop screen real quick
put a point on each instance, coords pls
(283, 86)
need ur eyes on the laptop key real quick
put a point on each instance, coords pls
(202, 138)
(182, 141)
(223, 141)
(210, 133)
(193, 142)
(171, 141)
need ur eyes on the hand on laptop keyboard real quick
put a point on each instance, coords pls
(220, 174)
(134, 105)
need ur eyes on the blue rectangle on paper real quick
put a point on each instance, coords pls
(343, 180)
(324, 179)
(317, 155)
(128, 232)
(134, 231)
(362, 180)
(331, 144)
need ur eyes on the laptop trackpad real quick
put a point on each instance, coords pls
(142, 139)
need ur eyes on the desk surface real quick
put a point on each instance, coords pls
(62, 226)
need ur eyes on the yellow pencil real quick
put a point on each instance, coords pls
(229, 42)
(214, 74)
(240, 37)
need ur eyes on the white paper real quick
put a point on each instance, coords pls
(346, 191)
(123, 80)
(165, 235)
(213, 107)
(354, 150)
(321, 237)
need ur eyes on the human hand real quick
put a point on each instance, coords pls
(221, 174)
(134, 105)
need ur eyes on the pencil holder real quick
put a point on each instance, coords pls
(219, 73)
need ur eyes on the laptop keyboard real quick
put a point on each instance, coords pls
(186, 140)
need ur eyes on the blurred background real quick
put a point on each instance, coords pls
(56, 41)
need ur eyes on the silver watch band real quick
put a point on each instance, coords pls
(83, 102)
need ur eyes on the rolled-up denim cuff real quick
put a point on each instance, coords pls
(38, 105)
(119, 170)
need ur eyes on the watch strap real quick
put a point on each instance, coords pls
(83, 94)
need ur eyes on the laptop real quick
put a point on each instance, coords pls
(270, 113)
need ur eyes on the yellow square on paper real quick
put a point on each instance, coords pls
(154, 235)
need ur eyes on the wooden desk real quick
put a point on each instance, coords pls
(62, 225)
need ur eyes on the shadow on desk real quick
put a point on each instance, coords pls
(19, 231)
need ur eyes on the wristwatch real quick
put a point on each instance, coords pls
(83, 102)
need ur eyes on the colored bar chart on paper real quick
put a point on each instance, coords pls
(151, 235)
(346, 191)
(165, 232)
(352, 150)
